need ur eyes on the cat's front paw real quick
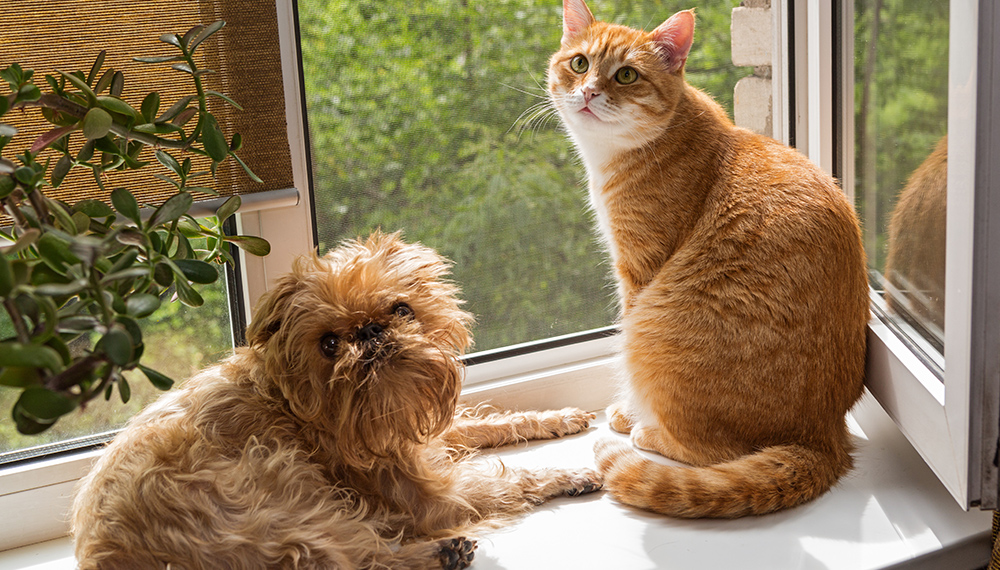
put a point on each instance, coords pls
(619, 417)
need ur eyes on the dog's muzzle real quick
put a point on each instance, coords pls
(370, 333)
(371, 339)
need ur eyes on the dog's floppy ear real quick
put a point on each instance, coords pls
(268, 312)
(272, 307)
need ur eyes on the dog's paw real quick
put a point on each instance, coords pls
(584, 481)
(567, 421)
(456, 553)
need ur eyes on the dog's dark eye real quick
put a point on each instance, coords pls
(402, 310)
(328, 345)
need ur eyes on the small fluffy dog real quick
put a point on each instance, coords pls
(331, 441)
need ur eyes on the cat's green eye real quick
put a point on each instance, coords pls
(579, 64)
(626, 75)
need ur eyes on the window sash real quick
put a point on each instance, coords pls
(985, 329)
(950, 420)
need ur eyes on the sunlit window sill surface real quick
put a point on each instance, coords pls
(890, 512)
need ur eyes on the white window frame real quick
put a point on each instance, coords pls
(951, 421)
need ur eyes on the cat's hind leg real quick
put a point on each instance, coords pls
(659, 440)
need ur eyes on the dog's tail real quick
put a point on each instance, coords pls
(771, 479)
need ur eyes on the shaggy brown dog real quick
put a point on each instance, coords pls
(331, 441)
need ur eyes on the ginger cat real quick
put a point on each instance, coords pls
(741, 275)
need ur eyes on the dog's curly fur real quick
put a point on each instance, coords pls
(331, 441)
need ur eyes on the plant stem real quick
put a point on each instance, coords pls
(170, 236)
(71, 375)
(91, 394)
(67, 107)
(19, 325)
(37, 200)
(19, 220)
(97, 291)
(202, 98)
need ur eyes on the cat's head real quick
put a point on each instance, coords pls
(616, 85)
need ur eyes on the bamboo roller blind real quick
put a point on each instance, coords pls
(68, 34)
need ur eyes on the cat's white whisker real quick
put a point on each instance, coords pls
(541, 95)
(534, 117)
(541, 86)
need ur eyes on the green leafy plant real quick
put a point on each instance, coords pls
(77, 279)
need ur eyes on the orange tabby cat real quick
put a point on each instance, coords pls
(742, 281)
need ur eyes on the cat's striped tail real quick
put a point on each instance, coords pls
(772, 479)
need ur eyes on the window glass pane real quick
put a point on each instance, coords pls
(178, 341)
(430, 117)
(901, 158)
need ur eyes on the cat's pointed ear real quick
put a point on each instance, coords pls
(576, 19)
(674, 38)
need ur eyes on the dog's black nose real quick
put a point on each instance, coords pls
(369, 332)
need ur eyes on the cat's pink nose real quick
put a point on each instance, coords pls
(589, 93)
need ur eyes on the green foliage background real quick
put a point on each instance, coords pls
(413, 113)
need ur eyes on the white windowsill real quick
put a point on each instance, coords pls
(891, 509)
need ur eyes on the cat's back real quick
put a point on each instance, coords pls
(774, 264)
(772, 205)
(767, 296)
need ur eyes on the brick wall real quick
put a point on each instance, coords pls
(752, 43)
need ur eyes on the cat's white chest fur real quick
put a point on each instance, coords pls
(597, 155)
